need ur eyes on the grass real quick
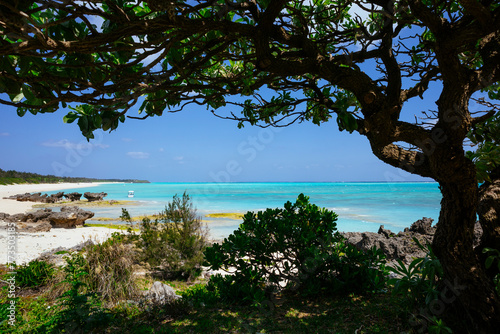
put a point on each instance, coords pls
(112, 226)
(228, 215)
(200, 311)
(290, 314)
(375, 313)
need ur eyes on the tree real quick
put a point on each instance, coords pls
(291, 61)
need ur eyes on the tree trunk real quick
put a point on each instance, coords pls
(489, 211)
(489, 217)
(468, 299)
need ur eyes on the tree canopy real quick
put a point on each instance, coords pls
(277, 62)
(112, 55)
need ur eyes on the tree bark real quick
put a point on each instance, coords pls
(489, 211)
(470, 302)
(489, 217)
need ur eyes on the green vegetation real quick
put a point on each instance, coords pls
(175, 240)
(15, 177)
(493, 264)
(34, 274)
(228, 215)
(112, 226)
(329, 286)
(486, 137)
(296, 248)
(110, 269)
(421, 285)
(361, 64)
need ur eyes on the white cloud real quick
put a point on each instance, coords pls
(4, 134)
(64, 143)
(138, 155)
(161, 149)
(179, 159)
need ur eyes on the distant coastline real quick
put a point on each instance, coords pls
(16, 177)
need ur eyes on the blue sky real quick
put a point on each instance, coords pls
(195, 146)
(191, 146)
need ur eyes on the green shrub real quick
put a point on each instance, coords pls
(200, 295)
(493, 263)
(79, 310)
(34, 274)
(297, 248)
(420, 283)
(109, 269)
(175, 240)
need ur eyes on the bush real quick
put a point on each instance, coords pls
(175, 240)
(493, 264)
(420, 283)
(34, 274)
(109, 268)
(297, 248)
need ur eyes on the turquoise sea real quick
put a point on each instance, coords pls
(360, 206)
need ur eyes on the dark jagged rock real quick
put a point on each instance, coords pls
(18, 217)
(56, 197)
(73, 196)
(41, 226)
(94, 197)
(69, 217)
(401, 246)
(37, 197)
(395, 247)
(385, 232)
(38, 215)
(423, 226)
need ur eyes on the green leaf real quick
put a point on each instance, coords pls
(489, 261)
(70, 117)
(18, 97)
(30, 97)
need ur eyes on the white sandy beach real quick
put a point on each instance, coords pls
(12, 207)
(31, 245)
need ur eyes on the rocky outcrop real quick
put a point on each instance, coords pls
(401, 246)
(73, 196)
(69, 217)
(42, 220)
(38, 197)
(396, 247)
(161, 293)
(94, 197)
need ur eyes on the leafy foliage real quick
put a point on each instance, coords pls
(34, 274)
(420, 283)
(486, 157)
(78, 311)
(297, 248)
(12, 176)
(175, 240)
(493, 262)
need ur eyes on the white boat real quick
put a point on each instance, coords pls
(131, 193)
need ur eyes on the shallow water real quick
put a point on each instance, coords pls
(360, 206)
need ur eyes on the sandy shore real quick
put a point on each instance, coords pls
(31, 245)
(12, 206)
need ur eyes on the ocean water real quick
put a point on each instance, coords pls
(360, 206)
